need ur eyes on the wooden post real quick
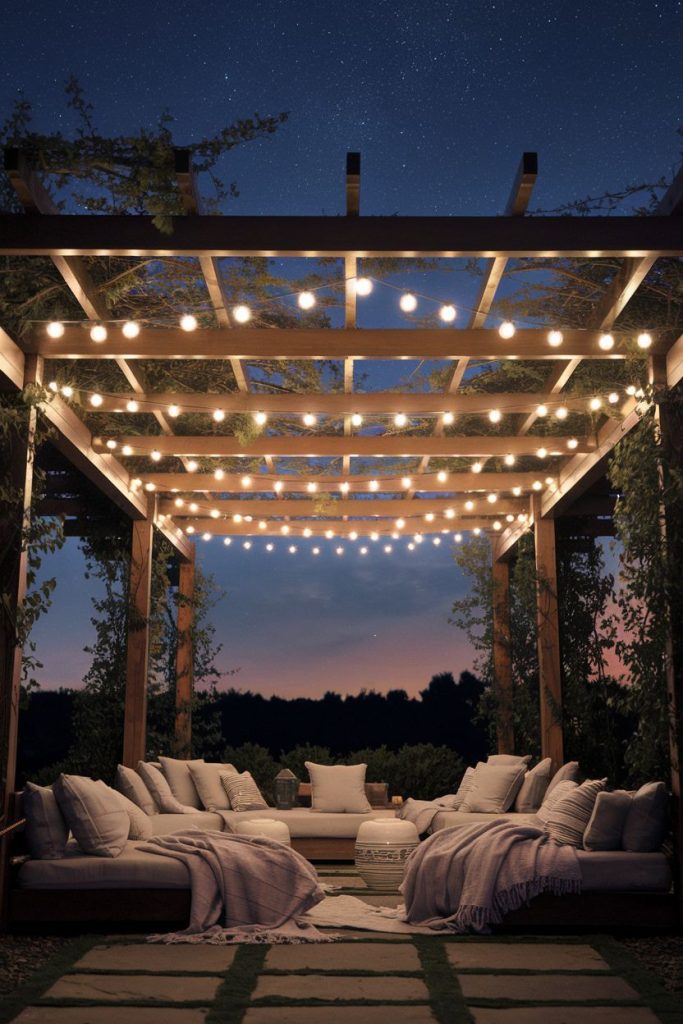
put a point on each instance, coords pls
(502, 655)
(137, 656)
(549, 664)
(184, 663)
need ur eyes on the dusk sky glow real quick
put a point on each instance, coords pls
(441, 99)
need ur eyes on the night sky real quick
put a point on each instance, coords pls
(440, 98)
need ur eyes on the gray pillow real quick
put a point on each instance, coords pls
(140, 826)
(551, 798)
(494, 788)
(45, 830)
(606, 825)
(93, 812)
(534, 787)
(161, 791)
(243, 793)
(177, 774)
(207, 778)
(646, 821)
(508, 759)
(568, 819)
(130, 784)
(463, 788)
(338, 788)
(569, 772)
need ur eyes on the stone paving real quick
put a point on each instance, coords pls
(366, 978)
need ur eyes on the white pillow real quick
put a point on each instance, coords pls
(568, 819)
(161, 791)
(243, 793)
(553, 795)
(207, 778)
(93, 812)
(140, 827)
(494, 788)
(45, 830)
(338, 788)
(130, 785)
(463, 788)
(534, 787)
(568, 772)
(508, 759)
(646, 821)
(606, 825)
(177, 774)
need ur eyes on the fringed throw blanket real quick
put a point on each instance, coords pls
(423, 812)
(466, 879)
(244, 888)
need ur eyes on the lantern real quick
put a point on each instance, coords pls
(286, 789)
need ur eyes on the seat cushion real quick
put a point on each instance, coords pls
(305, 823)
(451, 819)
(164, 824)
(132, 869)
(621, 871)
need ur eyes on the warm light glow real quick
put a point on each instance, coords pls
(373, 485)
(132, 405)
(227, 541)
(96, 400)
(344, 487)
(339, 551)
(329, 534)
(218, 474)
(247, 545)
(388, 549)
(418, 538)
(541, 410)
(263, 525)
(450, 513)
(111, 444)
(277, 486)
(98, 332)
(630, 390)
(442, 476)
(269, 547)
(188, 322)
(469, 505)
(506, 330)
(53, 386)
(477, 467)
(242, 314)
(67, 391)
(406, 482)
(374, 536)
(429, 517)
(497, 525)
(537, 485)
(595, 404)
(363, 285)
(284, 529)
(218, 415)
(311, 487)
(189, 529)
(644, 340)
(606, 342)
(155, 455)
(173, 411)
(315, 551)
(179, 503)
(509, 518)
(292, 549)
(260, 419)
(448, 418)
(550, 480)
(572, 443)
(55, 329)
(509, 460)
(126, 450)
(192, 466)
(555, 338)
(457, 537)
(542, 453)
(408, 302)
(246, 481)
(130, 329)
(356, 420)
(517, 491)
(215, 514)
(613, 398)
(400, 523)
(353, 535)
(194, 507)
(448, 313)
(436, 541)
(400, 419)
(561, 412)
(309, 419)
(306, 300)
(308, 532)
(495, 415)
(207, 536)
(492, 498)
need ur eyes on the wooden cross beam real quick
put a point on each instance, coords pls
(338, 527)
(455, 483)
(370, 506)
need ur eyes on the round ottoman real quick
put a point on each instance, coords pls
(382, 848)
(264, 827)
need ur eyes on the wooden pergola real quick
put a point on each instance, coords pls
(515, 479)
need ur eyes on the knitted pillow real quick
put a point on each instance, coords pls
(568, 819)
(533, 788)
(161, 791)
(243, 793)
(207, 778)
(130, 785)
(561, 790)
(46, 831)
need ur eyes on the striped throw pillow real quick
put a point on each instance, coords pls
(568, 819)
(552, 797)
(243, 793)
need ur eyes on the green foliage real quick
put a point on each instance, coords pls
(295, 759)
(524, 649)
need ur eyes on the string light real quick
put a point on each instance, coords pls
(373, 485)
(207, 536)
(155, 455)
(67, 391)
(269, 547)
(388, 549)
(111, 444)
(53, 386)
(495, 415)
(595, 404)
(541, 410)
(400, 419)
(237, 518)
(218, 474)
(292, 549)
(630, 390)
(353, 535)
(408, 302)
(400, 523)
(174, 411)
(246, 481)
(247, 545)
(284, 529)
(315, 551)
(215, 514)
(218, 415)
(96, 400)
(497, 525)
(457, 537)
(449, 513)
(492, 498)
(356, 419)
(242, 314)
(374, 536)
(606, 342)
(130, 329)
(98, 333)
(517, 491)
(363, 285)
(309, 419)
(411, 547)
(306, 300)
(537, 485)
(572, 443)
(55, 329)
(469, 506)
(418, 538)
(339, 551)
(329, 534)
(178, 502)
(311, 487)
(227, 541)
(263, 525)
(506, 330)
(448, 418)
(344, 487)
(363, 551)
(448, 313)
(613, 398)
(429, 517)
(436, 541)
(442, 476)
(644, 340)
(194, 507)
(260, 418)
(476, 531)
(188, 322)
(555, 338)
(509, 460)
(542, 453)
(308, 532)
(509, 518)
(192, 466)
(406, 482)
(477, 467)
(561, 412)
(277, 486)
(126, 450)
(132, 405)
(189, 529)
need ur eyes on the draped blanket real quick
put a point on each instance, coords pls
(467, 878)
(244, 888)
(423, 812)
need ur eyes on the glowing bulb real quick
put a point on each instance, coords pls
(269, 547)
(373, 485)
(448, 313)
(67, 391)
(155, 455)
(188, 322)
(644, 340)
(262, 524)
(506, 330)
(516, 491)
(477, 467)
(497, 525)
(292, 549)
(537, 485)
(400, 419)
(353, 535)
(207, 536)
(344, 487)
(339, 551)
(284, 529)
(260, 419)
(189, 529)
(400, 523)
(356, 419)
(315, 551)
(130, 329)
(509, 518)
(194, 507)
(136, 483)
(509, 460)
(111, 444)
(126, 450)
(388, 549)
(561, 412)
(309, 419)
(450, 513)
(408, 302)
(595, 404)
(442, 476)
(469, 505)
(406, 482)
(606, 342)
(555, 338)
(306, 300)
(247, 545)
(277, 486)
(179, 503)
(448, 418)
(541, 410)
(311, 487)
(55, 329)
(363, 285)
(429, 517)
(495, 415)
(363, 551)
(411, 547)
(215, 514)
(246, 481)
(132, 405)
(192, 466)
(96, 400)
(542, 453)
(457, 537)
(550, 480)
(436, 541)
(242, 314)
(308, 532)
(218, 474)
(53, 386)
(613, 398)
(329, 534)
(98, 332)
(227, 541)
(492, 498)
(630, 390)
(218, 415)
(374, 536)
(173, 411)
(572, 443)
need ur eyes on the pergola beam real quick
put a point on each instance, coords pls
(339, 527)
(456, 483)
(370, 506)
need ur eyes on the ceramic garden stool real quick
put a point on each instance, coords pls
(264, 827)
(382, 848)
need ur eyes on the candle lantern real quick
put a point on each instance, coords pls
(286, 789)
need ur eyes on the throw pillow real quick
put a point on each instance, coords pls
(93, 812)
(569, 772)
(561, 790)
(508, 759)
(139, 825)
(463, 788)
(646, 821)
(606, 825)
(243, 793)
(45, 830)
(207, 779)
(129, 783)
(494, 788)
(338, 788)
(534, 787)
(160, 790)
(567, 821)
(177, 774)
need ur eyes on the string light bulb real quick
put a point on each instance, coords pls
(155, 455)
(130, 329)
(450, 513)
(227, 541)
(132, 405)
(277, 486)
(477, 467)
(188, 322)
(613, 398)
(374, 536)
(542, 453)
(344, 487)
(246, 481)
(215, 514)
(339, 551)
(96, 400)
(595, 404)
(55, 329)
(269, 547)
(194, 507)
(284, 529)
(457, 537)
(442, 476)
(492, 498)
(356, 419)
(98, 333)
(408, 302)
(436, 541)
(572, 443)
(329, 534)
(644, 340)
(363, 285)
(111, 444)
(495, 416)
(373, 485)
(406, 482)
(509, 460)
(541, 410)
(555, 338)
(400, 523)
(242, 314)
(561, 412)
(126, 450)
(260, 418)
(247, 545)
(388, 549)
(178, 502)
(308, 532)
(218, 474)
(309, 419)
(606, 342)
(292, 549)
(174, 411)
(189, 530)
(315, 551)
(517, 491)
(506, 330)
(192, 466)
(469, 505)
(400, 419)
(448, 313)
(218, 415)
(311, 487)
(353, 535)
(306, 300)
(429, 517)
(263, 525)
(67, 391)
(448, 418)
(537, 485)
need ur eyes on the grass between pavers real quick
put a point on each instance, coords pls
(445, 995)
(665, 1005)
(342, 972)
(32, 989)
(234, 995)
(268, 1001)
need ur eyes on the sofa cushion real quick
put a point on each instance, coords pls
(619, 871)
(132, 786)
(508, 759)
(451, 819)
(156, 783)
(94, 813)
(494, 787)
(568, 772)
(177, 774)
(606, 825)
(551, 797)
(242, 791)
(46, 830)
(338, 788)
(132, 869)
(166, 824)
(534, 786)
(140, 824)
(463, 788)
(567, 820)
(305, 823)
(646, 821)
(207, 779)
